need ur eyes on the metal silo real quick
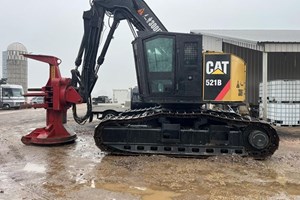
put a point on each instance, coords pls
(15, 66)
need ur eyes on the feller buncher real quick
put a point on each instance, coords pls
(172, 72)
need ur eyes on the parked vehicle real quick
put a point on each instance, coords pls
(100, 99)
(37, 100)
(11, 96)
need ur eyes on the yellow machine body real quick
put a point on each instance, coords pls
(224, 78)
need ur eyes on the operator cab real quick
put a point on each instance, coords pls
(169, 67)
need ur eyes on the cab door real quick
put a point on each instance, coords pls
(160, 62)
(189, 68)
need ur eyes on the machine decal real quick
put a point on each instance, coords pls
(223, 92)
(219, 67)
(216, 76)
(149, 20)
(141, 11)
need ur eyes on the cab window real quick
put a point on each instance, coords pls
(160, 54)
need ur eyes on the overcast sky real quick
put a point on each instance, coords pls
(55, 27)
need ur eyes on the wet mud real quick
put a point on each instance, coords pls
(82, 171)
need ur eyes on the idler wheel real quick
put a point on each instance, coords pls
(258, 139)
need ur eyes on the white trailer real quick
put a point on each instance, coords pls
(11, 96)
(120, 96)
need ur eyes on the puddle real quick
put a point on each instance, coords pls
(159, 177)
(293, 189)
(145, 193)
(31, 167)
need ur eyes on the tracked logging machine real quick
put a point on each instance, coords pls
(174, 73)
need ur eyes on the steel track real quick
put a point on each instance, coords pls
(143, 116)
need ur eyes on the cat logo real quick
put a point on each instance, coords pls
(217, 68)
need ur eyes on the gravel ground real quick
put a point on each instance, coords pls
(81, 170)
